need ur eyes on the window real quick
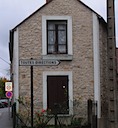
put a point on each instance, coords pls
(57, 37)
(61, 100)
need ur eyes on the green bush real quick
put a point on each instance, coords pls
(76, 122)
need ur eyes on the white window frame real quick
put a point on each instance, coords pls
(67, 56)
(70, 85)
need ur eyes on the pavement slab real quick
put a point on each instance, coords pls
(5, 118)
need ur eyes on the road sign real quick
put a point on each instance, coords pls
(9, 94)
(8, 86)
(33, 62)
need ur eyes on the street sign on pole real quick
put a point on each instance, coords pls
(8, 86)
(9, 94)
(34, 62)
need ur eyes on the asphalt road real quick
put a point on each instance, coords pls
(5, 118)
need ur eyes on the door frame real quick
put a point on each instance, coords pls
(70, 87)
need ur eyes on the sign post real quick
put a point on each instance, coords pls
(8, 86)
(33, 62)
(9, 94)
(31, 69)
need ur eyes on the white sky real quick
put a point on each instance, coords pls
(12, 12)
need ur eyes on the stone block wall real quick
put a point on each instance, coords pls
(82, 67)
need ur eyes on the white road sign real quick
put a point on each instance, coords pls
(8, 86)
(33, 62)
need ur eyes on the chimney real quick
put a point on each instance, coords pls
(47, 1)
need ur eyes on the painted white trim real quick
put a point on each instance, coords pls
(96, 62)
(44, 33)
(16, 67)
(49, 73)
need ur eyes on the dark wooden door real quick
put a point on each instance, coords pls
(57, 94)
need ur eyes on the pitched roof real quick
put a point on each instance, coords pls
(12, 31)
(48, 3)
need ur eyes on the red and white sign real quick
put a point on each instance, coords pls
(8, 86)
(9, 94)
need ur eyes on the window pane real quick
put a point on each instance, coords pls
(51, 37)
(62, 27)
(51, 26)
(62, 48)
(51, 49)
(62, 34)
(61, 37)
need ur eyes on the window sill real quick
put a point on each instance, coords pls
(58, 57)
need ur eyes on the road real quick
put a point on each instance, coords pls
(5, 118)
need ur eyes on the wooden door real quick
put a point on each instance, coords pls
(57, 94)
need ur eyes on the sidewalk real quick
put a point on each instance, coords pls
(5, 118)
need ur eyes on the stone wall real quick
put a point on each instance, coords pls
(82, 67)
(103, 68)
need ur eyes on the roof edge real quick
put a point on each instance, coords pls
(99, 16)
(30, 15)
(48, 3)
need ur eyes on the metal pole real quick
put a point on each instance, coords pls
(9, 107)
(31, 96)
(90, 113)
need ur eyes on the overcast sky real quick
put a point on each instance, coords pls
(12, 12)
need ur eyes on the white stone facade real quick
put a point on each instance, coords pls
(86, 61)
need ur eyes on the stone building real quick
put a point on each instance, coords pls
(69, 42)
